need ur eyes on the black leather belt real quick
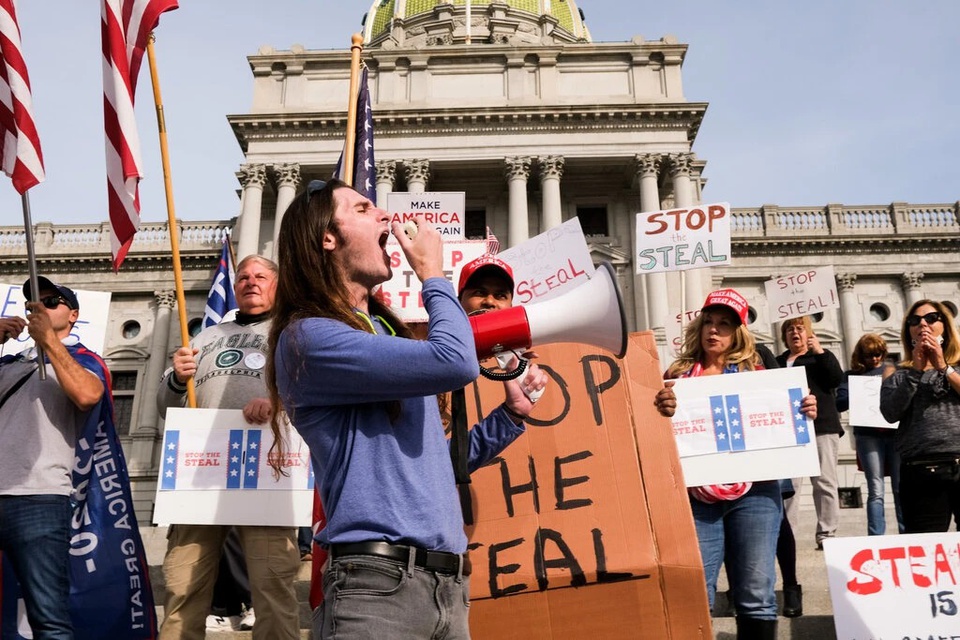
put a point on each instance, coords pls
(439, 561)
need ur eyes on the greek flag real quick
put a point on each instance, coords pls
(221, 300)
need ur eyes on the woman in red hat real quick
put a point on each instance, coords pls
(736, 523)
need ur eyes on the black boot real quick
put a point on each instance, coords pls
(756, 629)
(792, 601)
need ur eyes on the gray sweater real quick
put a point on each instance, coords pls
(928, 410)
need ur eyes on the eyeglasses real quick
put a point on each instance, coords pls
(929, 318)
(315, 185)
(52, 302)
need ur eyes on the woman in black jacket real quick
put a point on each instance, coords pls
(824, 375)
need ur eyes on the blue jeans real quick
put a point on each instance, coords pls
(877, 455)
(367, 597)
(743, 534)
(35, 537)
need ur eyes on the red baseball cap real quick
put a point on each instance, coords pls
(484, 263)
(731, 299)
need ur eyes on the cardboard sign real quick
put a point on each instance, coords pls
(215, 470)
(905, 586)
(590, 497)
(549, 264)
(755, 412)
(681, 239)
(403, 291)
(445, 210)
(752, 438)
(90, 329)
(802, 294)
(865, 402)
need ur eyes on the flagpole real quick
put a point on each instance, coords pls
(171, 214)
(356, 47)
(32, 267)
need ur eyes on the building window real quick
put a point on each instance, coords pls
(879, 312)
(131, 329)
(194, 327)
(475, 224)
(952, 308)
(593, 220)
(124, 392)
(751, 315)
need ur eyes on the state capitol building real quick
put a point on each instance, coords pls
(515, 105)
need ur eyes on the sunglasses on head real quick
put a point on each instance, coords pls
(315, 185)
(929, 318)
(52, 302)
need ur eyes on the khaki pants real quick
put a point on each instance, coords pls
(826, 499)
(190, 571)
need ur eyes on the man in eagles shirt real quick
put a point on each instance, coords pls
(226, 362)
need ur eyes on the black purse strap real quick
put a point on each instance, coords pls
(12, 390)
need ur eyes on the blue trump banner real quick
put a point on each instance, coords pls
(110, 593)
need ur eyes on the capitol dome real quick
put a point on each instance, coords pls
(438, 22)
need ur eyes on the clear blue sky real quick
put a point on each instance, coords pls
(811, 102)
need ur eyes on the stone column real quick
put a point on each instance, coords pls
(288, 180)
(551, 170)
(683, 194)
(849, 314)
(418, 173)
(517, 174)
(148, 424)
(910, 282)
(656, 308)
(253, 178)
(386, 180)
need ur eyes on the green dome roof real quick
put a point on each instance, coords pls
(412, 14)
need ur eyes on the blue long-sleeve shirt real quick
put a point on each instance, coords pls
(383, 480)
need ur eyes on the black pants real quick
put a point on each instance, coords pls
(929, 495)
(231, 592)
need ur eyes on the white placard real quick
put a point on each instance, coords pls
(549, 264)
(802, 294)
(90, 329)
(865, 402)
(445, 210)
(681, 239)
(742, 427)
(403, 291)
(214, 469)
(903, 586)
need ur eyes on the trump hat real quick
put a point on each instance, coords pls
(730, 299)
(486, 265)
(44, 283)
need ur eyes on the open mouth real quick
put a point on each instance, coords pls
(383, 239)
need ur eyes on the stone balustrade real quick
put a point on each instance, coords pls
(897, 219)
(68, 239)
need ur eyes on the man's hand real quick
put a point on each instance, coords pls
(258, 411)
(40, 327)
(425, 251)
(185, 364)
(523, 394)
(808, 406)
(11, 328)
(666, 400)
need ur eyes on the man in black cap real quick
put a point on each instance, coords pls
(39, 423)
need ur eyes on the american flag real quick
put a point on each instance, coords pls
(20, 152)
(125, 26)
(493, 245)
(364, 167)
(221, 298)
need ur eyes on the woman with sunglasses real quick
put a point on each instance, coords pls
(924, 395)
(876, 446)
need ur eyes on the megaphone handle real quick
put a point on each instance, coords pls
(504, 376)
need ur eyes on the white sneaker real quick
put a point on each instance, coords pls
(222, 623)
(246, 624)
